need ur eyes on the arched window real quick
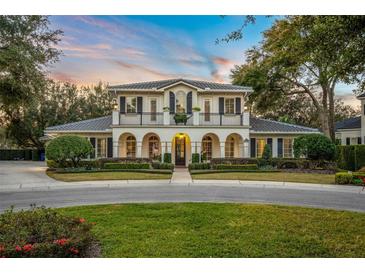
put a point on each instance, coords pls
(229, 147)
(153, 147)
(131, 147)
(180, 102)
(207, 147)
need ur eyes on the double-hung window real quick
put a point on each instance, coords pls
(101, 148)
(229, 106)
(288, 148)
(131, 103)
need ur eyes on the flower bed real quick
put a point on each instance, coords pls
(346, 178)
(41, 232)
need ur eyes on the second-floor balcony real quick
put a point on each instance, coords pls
(180, 119)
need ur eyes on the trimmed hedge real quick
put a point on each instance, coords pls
(345, 178)
(158, 165)
(234, 161)
(45, 233)
(126, 165)
(351, 157)
(197, 166)
(167, 158)
(16, 154)
(289, 163)
(68, 164)
(314, 147)
(195, 158)
(236, 167)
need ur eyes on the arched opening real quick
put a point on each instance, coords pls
(127, 145)
(233, 147)
(151, 146)
(210, 147)
(181, 149)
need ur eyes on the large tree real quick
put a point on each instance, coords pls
(27, 46)
(306, 55)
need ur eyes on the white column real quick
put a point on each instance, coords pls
(274, 147)
(246, 118)
(246, 148)
(163, 150)
(139, 149)
(115, 149)
(166, 118)
(222, 150)
(115, 119)
(196, 115)
(240, 150)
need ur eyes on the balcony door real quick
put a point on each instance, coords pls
(153, 109)
(207, 109)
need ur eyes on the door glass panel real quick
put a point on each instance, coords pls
(153, 109)
(206, 110)
(179, 151)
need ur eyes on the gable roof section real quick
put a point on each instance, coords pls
(160, 85)
(96, 124)
(259, 125)
(351, 123)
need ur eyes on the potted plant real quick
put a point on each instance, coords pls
(181, 118)
(166, 109)
(196, 109)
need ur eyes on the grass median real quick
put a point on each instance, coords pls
(224, 230)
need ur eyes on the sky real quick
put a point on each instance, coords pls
(126, 49)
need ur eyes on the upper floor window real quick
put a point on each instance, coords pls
(180, 102)
(131, 104)
(229, 105)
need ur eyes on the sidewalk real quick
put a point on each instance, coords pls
(181, 175)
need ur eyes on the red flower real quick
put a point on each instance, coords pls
(82, 220)
(2, 248)
(18, 248)
(61, 242)
(74, 250)
(27, 247)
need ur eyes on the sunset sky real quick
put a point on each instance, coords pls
(124, 49)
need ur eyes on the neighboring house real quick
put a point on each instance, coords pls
(352, 131)
(182, 117)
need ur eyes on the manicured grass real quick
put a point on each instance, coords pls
(94, 176)
(224, 230)
(272, 176)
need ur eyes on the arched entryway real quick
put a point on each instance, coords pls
(210, 147)
(181, 149)
(151, 146)
(127, 145)
(233, 146)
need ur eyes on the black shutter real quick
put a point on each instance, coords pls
(269, 142)
(359, 140)
(92, 141)
(347, 141)
(139, 104)
(110, 148)
(189, 103)
(280, 147)
(122, 104)
(238, 105)
(172, 102)
(221, 105)
(253, 148)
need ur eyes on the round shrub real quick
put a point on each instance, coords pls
(68, 147)
(343, 178)
(41, 232)
(314, 147)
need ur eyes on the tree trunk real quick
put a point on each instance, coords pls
(323, 116)
(331, 115)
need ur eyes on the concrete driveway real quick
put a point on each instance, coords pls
(24, 183)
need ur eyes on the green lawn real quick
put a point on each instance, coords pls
(224, 230)
(270, 176)
(74, 177)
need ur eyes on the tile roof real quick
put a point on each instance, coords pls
(164, 83)
(265, 125)
(96, 124)
(354, 122)
(257, 125)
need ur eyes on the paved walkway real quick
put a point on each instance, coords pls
(181, 175)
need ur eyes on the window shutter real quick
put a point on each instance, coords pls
(172, 102)
(280, 147)
(110, 148)
(221, 105)
(269, 142)
(189, 103)
(122, 104)
(347, 141)
(139, 104)
(92, 141)
(253, 148)
(238, 105)
(359, 140)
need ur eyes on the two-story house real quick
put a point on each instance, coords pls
(182, 117)
(352, 131)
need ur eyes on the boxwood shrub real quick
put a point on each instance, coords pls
(195, 158)
(351, 157)
(236, 167)
(234, 161)
(167, 158)
(158, 165)
(197, 166)
(41, 232)
(126, 165)
(68, 164)
(343, 178)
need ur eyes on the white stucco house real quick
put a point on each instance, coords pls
(352, 131)
(213, 121)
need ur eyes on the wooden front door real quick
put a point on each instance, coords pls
(180, 146)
